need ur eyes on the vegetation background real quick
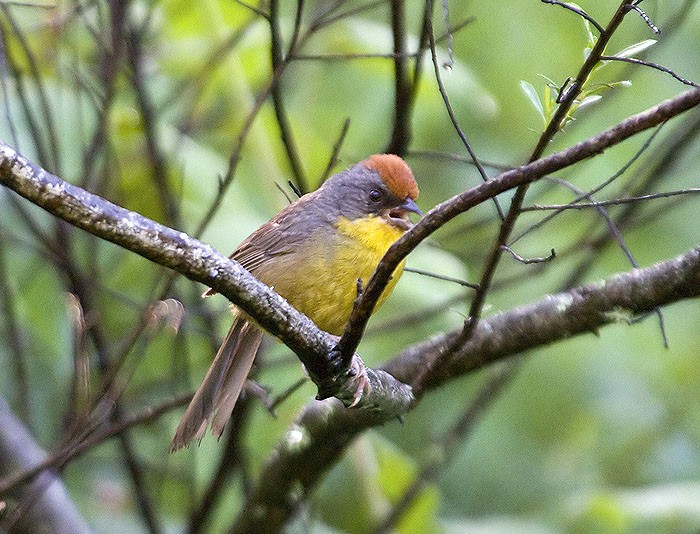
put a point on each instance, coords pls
(146, 104)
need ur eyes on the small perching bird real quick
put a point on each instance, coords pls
(312, 253)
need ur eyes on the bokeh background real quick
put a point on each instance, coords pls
(600, 433)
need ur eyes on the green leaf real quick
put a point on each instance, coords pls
(590, 99)
(548, 101)
(636, 48)
(589, 33)
(532, 95)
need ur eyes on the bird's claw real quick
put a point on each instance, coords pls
(361, 381)
(353, 380)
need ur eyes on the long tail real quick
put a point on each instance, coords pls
(217, 395)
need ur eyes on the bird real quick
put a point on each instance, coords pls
(312, 253)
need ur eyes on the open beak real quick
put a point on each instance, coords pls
(410, 205)
(398, 216)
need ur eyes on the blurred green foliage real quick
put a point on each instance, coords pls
(595, 434)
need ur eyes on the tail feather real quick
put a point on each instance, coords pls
(247, 347)
(222, 385)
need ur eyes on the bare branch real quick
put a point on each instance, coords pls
(462, 283)
(529, 261)
(451, 114)
(576, 311)
(403, 91)
(279, 60)
(442, 213)
(578, 11)
(635, 7)
(611, 202)
(73, 449)
(656, 66)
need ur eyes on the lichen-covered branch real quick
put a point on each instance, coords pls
(200, 262)
(318, 438)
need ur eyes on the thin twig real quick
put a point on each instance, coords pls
(71, 450)
(15, 340)
(160, 173)
(656, 66)
(7, 111)
(48, 121)
(327, 18)
(278, 62)
(645, 146)
(616, 233)
(530, 261)
(635, 7)
(443, 277)
(578, 11)
(403, 88)
(254, 9)
(351, 56)
(453, 117)
(611, 202)
(333, 159)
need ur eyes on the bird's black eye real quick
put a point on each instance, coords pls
(375, 195)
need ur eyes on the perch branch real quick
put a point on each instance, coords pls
(200, 262)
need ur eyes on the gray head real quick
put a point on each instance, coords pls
(382, 185)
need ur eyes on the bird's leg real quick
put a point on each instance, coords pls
(347, 383)
(328, 385)
(337, 362)
(344, 371)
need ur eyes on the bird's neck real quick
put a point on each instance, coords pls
(373, 232)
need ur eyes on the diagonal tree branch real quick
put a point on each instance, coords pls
(448, 210)
(52, 509)
(200, 262)
(580, 310)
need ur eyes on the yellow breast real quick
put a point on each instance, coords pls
(320, 280)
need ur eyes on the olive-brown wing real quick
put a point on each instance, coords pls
(283, 234)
